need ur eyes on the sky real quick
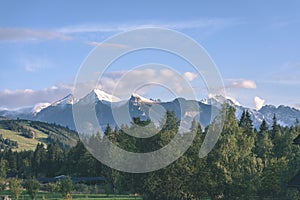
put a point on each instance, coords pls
(254, 44)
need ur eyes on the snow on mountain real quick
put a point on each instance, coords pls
(99, 95)
(68, 100)
(38, 107)
(284, 114)
(103, 96)
(139, 99)
(219, 99)
(60, 111)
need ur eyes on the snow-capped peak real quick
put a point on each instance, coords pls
(38, 107)
(103, 96)
(214, 100)
(99, 95)
(219, 99)
(68, 100)
(142, 99)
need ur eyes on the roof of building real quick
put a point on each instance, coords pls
(295, 181)
(297, 140)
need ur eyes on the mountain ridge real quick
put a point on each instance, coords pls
(60, 112)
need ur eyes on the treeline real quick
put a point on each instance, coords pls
(245, 163)
(63, 136)
(14, 126)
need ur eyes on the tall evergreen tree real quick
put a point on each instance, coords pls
(38, 162)
(246, 124)
(54, 159)
(263, 127)
(276, 137)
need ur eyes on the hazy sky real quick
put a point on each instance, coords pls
(255, 45)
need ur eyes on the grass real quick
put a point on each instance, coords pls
(23, 142)
(57, 196)
(12, 129)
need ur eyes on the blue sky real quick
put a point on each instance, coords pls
(255, 44)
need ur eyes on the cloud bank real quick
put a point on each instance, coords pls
(10, 99)
(123, 83)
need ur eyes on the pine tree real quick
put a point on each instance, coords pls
(275, 132)
(233, 149)
(3, 168)
(54, 159)
(108, 130)
(171, 122)
(246, 122)
(263, 127)
(39, 158)
(276, 137)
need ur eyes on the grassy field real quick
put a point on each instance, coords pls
(56, 196)
(23, 142)
(14, 130)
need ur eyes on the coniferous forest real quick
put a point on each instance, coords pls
(246, 163)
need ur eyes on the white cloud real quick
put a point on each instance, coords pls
(27, 34)
(124, 83)
(34, 64)
(212, 23)
(259, 102)
(109, 45)
(28, 97)
(190, 76)
(242, 83)
(15, 34)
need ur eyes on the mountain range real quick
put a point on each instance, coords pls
(60, 112)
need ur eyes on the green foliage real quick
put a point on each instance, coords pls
(32, 186)
(244, 164)
(81, 188)
(54, 159)
(2, 185)
(3, 166)
(52, 187)
(66, 187)
(16, 188)
(246, 122)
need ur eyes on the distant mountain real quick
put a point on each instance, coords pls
(98, 95)
(285, 115)
(68, 100)
(109, 108)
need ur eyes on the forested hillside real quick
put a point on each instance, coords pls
(26, 134)
(245, 164)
